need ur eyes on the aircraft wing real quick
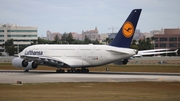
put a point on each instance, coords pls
(54, 61)
(154, 52)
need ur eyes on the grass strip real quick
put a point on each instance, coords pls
(88, 91)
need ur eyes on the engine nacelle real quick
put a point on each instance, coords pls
(20, 63)
(121, 62)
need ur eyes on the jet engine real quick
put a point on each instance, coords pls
(20, 63)
(121, 62)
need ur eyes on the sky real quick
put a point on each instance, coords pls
(77, 15)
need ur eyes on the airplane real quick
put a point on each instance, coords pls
(81, 56)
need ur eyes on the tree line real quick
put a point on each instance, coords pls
(142, 44)
(66, 38)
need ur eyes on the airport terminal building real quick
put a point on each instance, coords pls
(170, 39)
(91, 34)
(21, 35)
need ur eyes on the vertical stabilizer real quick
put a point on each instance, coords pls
(126, 33)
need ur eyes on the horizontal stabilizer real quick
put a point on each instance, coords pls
(154, 53)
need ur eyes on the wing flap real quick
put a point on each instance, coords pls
(54, 61)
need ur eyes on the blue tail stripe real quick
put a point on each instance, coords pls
(125, 41)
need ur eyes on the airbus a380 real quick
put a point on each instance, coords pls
(81, 56)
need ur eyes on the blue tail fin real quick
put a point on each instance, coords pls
(125, 34)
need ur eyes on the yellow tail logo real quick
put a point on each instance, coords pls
(128, 29)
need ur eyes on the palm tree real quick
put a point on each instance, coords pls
(107, 41)
(9, 47)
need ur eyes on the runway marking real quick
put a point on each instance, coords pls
(161, 79)
(111, 80)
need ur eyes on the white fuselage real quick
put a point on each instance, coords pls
(80, 55)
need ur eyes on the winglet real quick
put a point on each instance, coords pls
(125, 34)
(176, 51)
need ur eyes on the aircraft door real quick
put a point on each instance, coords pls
(93, 49)
(64, 56)
(100, 57)
(77, 50)
(84, 62)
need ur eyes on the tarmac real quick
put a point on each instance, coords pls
(44, 76)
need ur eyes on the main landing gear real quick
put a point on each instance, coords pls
(72, 70)
(60, 70)
(26, 70)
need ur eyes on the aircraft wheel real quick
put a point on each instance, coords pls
(78, 70)
(60, 71)
(82, 71)
(72, 70)
(87, 71)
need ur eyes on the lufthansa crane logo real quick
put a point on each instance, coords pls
(128, 29)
